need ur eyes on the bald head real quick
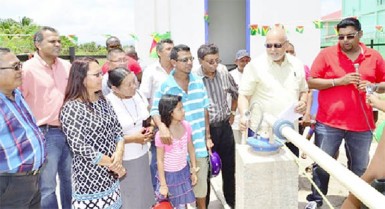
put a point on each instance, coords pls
(277, 32)
(276, 44)
(112, 43)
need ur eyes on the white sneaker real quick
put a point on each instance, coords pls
(311, 205)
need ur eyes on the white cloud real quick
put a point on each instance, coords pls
(88, 19)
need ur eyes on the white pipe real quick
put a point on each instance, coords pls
(362, 190)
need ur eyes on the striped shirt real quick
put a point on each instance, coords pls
(194, 103)
(175, 154)
(21, 144)
(217, 89)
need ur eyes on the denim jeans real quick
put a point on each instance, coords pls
(59, 162)
(19, 192)
(153, 164)
(329, 139)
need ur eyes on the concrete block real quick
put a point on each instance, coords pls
(266, 181)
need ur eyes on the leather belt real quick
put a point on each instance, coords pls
(27, 173)
(46, 126)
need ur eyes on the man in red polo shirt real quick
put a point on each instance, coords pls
(341, 73)
(112, 43)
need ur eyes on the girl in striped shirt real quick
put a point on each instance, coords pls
(173, 179)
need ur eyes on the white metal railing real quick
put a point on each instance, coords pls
(362, 190)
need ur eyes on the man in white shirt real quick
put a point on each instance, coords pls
(153, 77)
(242, 57)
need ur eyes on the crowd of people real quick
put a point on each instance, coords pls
(119, 136)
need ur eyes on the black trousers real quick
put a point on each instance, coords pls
(20, 192)
(224, 145)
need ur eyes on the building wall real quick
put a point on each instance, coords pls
(370, 13)
(184, 18)
(291, 14)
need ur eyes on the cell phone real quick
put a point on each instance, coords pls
(146, 123)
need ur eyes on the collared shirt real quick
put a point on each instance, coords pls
(152, 78)
(195, 102)
(237, 75)
(44, 88)
(345, 107)
(274, 87)
(217, 90)
(22, 145)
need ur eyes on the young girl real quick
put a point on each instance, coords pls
(173, 171)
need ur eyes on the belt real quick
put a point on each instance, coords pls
(46, 126)
(27, 173)
(219, 124)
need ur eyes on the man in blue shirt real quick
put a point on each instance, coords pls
(22, 144)
(183, 83)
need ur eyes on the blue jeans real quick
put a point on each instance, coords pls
(153, 164)
(59, 162)
(329, 139)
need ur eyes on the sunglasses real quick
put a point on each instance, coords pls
(212, 62)
(348, 36)
(186, 59)
(17, 67)
(276, 45)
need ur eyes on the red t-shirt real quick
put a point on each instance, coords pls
(132, 65)
(345, 107)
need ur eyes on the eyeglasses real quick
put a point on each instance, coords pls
(96, 74)
(276, 45)
(17, 67)
(212, 62)
(120, 60)
(186, 59)
(348, 36)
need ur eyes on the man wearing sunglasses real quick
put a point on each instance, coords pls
(275, 80)
(341, 73)
(45, 78)
(20, 166)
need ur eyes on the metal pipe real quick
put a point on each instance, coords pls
(362, 190)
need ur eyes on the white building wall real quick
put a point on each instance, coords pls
(291, 14)
(183, 18)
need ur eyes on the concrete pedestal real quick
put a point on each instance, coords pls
(265, 181)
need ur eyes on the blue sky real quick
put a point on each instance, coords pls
(90, 19)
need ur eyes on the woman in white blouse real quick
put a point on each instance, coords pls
(131, 108)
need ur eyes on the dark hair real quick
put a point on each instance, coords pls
(114, 51)
(75, 87)
(350, 21)
(112, 39)
(167, 104)
(116, 76)
(4, 50)
(38, 37)
(176, 49)
(206, 49)
(160, 46)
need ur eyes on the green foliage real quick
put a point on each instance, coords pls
(18, 36)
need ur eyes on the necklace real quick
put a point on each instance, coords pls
(136, 110)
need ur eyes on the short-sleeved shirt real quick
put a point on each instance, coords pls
(131, 112)
(44, 87)
(175, 154)
(132, 65)
(195, 102)
(152, 78)
(345, 107)
(274, 87)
